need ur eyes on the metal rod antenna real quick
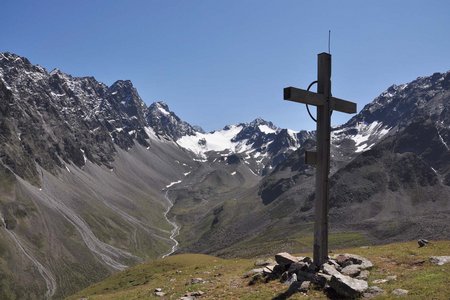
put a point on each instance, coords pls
(329, 41)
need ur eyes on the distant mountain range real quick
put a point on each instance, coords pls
(89, 174)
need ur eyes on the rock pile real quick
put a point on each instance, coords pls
(343, 275)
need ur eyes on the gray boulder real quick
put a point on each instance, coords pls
(312, 277)
(330, 269)
(364, 275)
(440, 260)
(348, 287)
(299, 266)
(400, 292)
(422, 243)
(349, 259)
(304, 286)
(197, 281)
(373, 291)
(351, 270)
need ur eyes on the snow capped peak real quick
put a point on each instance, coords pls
(263, 125)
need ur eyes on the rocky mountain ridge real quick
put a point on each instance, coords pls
(73, 119)
(87, 171)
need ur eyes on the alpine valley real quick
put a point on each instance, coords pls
(92, 180)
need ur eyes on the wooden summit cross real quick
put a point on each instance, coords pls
(325, 104)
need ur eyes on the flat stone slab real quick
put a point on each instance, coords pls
(440, 260)
(285, 258)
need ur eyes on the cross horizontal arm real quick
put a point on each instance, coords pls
(303, 96)
(343, 105)
(307, 97)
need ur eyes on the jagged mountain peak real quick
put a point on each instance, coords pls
(400, 101)
(396, 107)
(260, 121)
(166, 123)
(263, 125)
(13, 58)
(161, 107)
(126, 91)
(55, 71)
(122, 84)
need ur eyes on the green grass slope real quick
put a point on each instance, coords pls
(224, 277)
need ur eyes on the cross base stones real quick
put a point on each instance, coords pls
(338, 276)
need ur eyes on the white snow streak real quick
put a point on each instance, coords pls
(172, 183)
(163, 111)
(366, 132)
(84, 156)
(442, 140)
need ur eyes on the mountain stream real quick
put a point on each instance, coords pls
(176, 228)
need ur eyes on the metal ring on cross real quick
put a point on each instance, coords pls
(307, 107)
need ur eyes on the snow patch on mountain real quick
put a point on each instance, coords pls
(221, 140)
(266, 129)
(364, 135)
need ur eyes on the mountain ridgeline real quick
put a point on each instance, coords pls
(87, 170)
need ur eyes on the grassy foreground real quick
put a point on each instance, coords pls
(225, 276)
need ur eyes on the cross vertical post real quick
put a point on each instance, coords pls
(320, 251)
(325, 104)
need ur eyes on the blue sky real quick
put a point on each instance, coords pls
(223, 62)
